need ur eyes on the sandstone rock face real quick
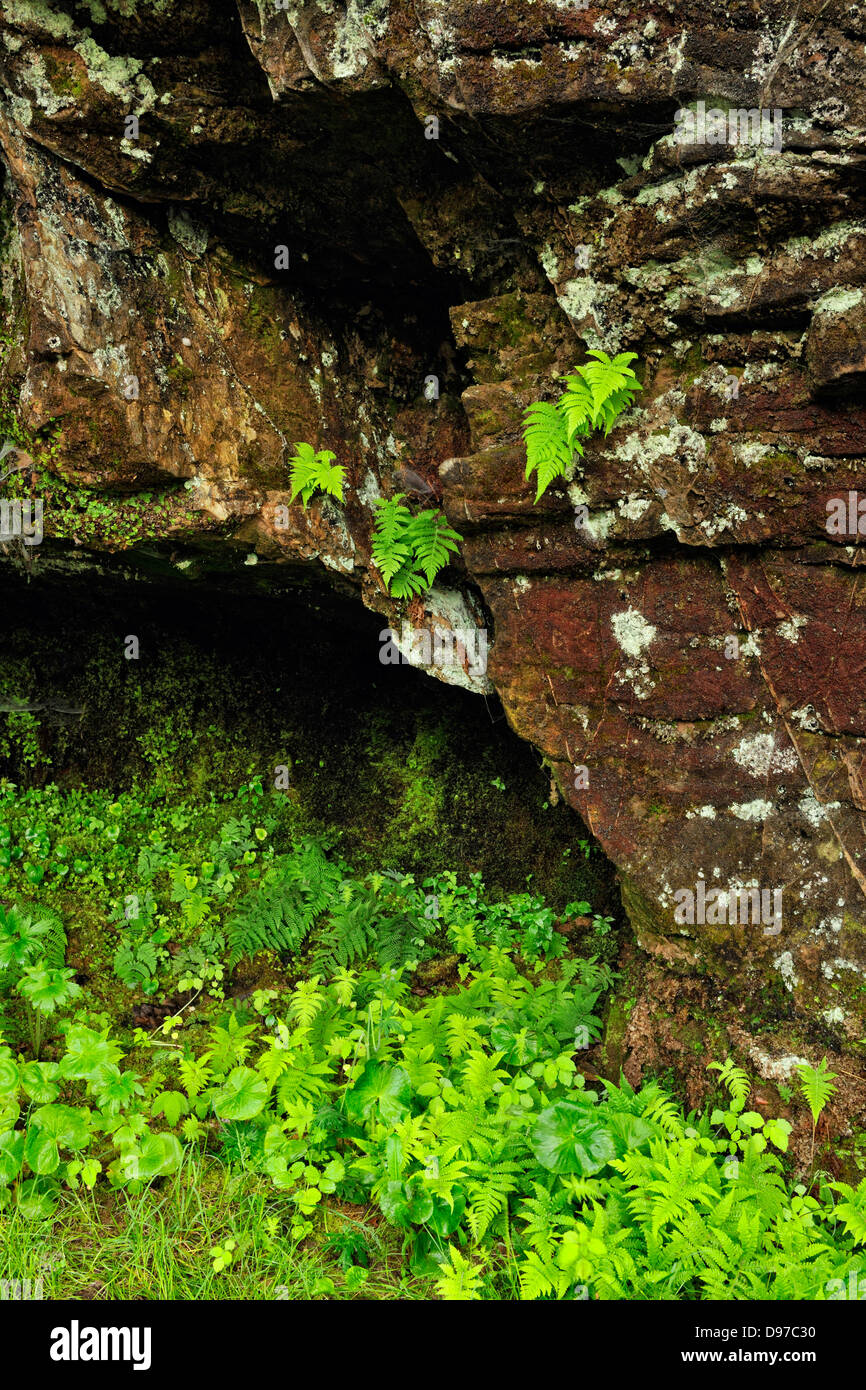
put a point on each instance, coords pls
(232, 228)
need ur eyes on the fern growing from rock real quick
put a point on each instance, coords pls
(596, 395)
(409, 551)
(315, 472)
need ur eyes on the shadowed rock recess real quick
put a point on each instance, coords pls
(480, 193)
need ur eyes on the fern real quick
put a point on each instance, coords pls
(408, 582)
(548, 452)
(368, 924)
(459, 1280)
(194, 1074)
(816, 1084)
(311, 471)
(539, 1277)
(135, 965)
(409, 551)
(852, 1212)
(279, 913)
(53, 943)
(350, 932)
(433, 541)
(596, 395)
(735, 1079)
(488, 1198)
(391, 546)
(401, 940)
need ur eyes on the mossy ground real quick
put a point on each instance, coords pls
(402, 772)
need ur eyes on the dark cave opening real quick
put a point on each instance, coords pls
(238, 676)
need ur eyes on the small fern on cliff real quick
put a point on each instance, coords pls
(311, 472)
(596, 395)
(409, 551)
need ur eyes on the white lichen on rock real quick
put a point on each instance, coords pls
(759, 809)
(632, 631)
(760, 756)
(785, 966)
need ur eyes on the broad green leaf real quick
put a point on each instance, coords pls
(171, 1104)
(9, 1074)
(776, 1132)
(380, 1088)
(115, 1090)
(406, 1203)
(37, 1078)
(88, 1054)
(242, 1095)
(444, 1218)
(37, 1199)
(569, 1138)
(751, 1119)
(628, 1131)
(159, 1155)
(47, 989)
(69, 1125)
(11, 1155)
(41, 1151)
(20, 939)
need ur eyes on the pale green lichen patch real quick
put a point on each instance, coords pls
(827, 243)
(756, 810)
(118, 76)
(583, 300)
(760, 756)
(191, 235)
(632, 631)
(633, 507)
(785, 966)
(38, 14)
(677, 442)
(839, 301)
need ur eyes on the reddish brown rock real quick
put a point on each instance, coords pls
(470, 196)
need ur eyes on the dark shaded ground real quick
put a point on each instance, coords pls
(236, 680)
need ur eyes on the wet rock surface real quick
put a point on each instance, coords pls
(480, 193)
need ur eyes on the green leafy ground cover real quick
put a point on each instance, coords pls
(331, 1041)
(383, 1134)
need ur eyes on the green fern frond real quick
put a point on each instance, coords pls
(310, 472)
(540, 1277)
(278, 914)
(596, 395)
(459, 1280)
(409, 551)
(575, 404)
(816, 1085)
(547, 448)
(433, 541)
(408, 582)
(734, 1079)
(135, 965)
(364, 924)
(53, 943)
(852, 1212)
(606, 378)
(350, 934)
(487, 1200)
(391, 547)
